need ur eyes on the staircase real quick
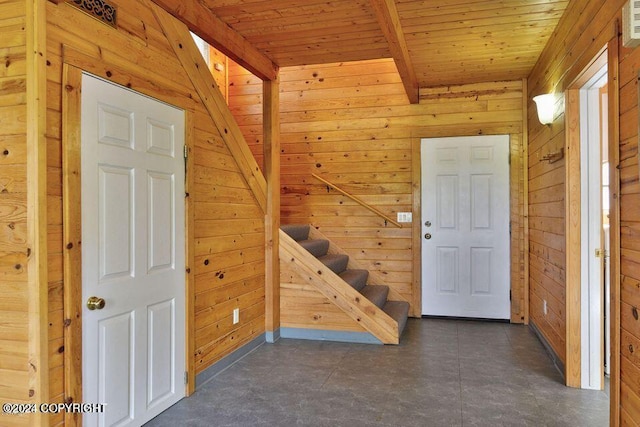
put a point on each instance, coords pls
(331, 291)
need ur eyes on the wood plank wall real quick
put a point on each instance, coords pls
(582, 32)
(629, 238)
(546, 234)
(14, 307)
(229, 224)
(352, 124)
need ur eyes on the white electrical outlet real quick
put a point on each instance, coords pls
(405, 217)
(544, 306)
(236, 315)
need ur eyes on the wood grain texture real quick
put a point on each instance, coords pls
(374, 278)
(627, 392)
(271, 167)
(614, 223)
(524, 208)
(573, 242)
(37, 206)
(298, 266)
(190, 255)
(304, 307)
(389, 20)
(15, 375)
(365, 205)
(72, 238)
(583, 31)
(218, 34)
(447, 42)
(212, 99)
(225, 250)
(456, 42)
(352, 125)
(298, 32)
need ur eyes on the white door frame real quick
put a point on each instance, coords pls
(423, 207)
(591, 271)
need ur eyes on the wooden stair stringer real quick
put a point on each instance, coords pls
(351, 302)
(375, 278)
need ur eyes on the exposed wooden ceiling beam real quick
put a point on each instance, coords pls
(389, 21)
(214, 31)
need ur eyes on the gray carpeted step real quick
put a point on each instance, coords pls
(356, 278)
(297, 232)
(336, 262)
(317, 247)
(376, 294)
(398, 310)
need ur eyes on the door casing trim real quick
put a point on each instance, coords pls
(72, 238)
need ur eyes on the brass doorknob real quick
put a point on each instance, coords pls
(95, 303)
(427, 236)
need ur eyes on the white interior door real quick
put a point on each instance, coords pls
(133, 250)
(465, 227)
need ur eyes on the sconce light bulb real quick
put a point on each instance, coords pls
(545, 105)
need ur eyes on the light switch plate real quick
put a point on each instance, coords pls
(405, 217)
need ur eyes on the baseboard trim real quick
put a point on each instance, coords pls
(557, 362)
(469, 319)
(327, 335)
(272, 336)
(208, 374)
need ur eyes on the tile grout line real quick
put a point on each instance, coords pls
(333, 371)
(539, 409)
(430, 347)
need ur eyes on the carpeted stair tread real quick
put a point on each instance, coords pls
(376, 294)
(317, 247)
(297, 232)
(356, 278)
(336, 262)
(398, 311)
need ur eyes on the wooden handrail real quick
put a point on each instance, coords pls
(359, 201)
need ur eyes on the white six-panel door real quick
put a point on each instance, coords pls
(132, 253)
(465, 227)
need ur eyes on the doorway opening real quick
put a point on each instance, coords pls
(594, 230)
(588, 271)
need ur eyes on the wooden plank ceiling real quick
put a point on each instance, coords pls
(448, 41)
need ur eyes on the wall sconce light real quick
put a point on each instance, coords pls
(545, 105)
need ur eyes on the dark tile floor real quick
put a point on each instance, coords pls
(444, 373)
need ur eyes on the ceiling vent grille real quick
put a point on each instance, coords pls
(631, 23)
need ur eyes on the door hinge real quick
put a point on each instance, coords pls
(186, 162)
(186, 377)
(509, 228)
(601, 253)
(510, 295)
